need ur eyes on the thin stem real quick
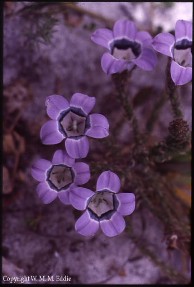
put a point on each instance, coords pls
(120, 81)
(154, 115)
(171, 91)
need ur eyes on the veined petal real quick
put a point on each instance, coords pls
(83, 102)
(183, 29)
(61, 157)
(38, 169)
(102, 37)
(97, 132)
(164, 43)
(46, 194)
(77, 148)
(143, 37)
(63, 195)
(86, 226)
(126, 203)
(79, 197)
(55, 105)
(108, 180)
(82, 173)
(114, 226)
(99, 126)
(147, 60)
(111, 65)
(180, 75)
(124, 28)
(50, 134)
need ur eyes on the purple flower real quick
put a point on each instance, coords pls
(177, 47)
(58, 177)
(104, 208)
(74, 123)
(127, 48)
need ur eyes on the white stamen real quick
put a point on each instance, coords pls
(74, 125)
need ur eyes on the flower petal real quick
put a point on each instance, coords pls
(143, 37)
(183, 29)
(82, 173)
(111, 65)
(108, 180)
(77, 148)
(63, 195)
(147, 59)
(114, 226)
(99, 126)
(126, 203)
(102, 37)
(79, 196)
(46, 194)
(83, 102)
(61, 157)
(86, 226)
(180, 75)
(124, 28)
(164, 43)
(55, 105)
(50, 134)
(38, 169)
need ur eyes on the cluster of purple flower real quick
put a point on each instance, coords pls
(73, 123)
(128, 47)
(62, 176)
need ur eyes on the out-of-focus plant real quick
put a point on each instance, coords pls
(41, 30)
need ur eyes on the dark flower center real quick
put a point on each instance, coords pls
(183, 44)
(60, 177)
(102, 205)
(73, 123)
(125, 49)
(183, 53)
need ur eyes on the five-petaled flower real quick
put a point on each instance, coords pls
(127, 48)
(179, 48)
(73, 122)
(59, 176)
(104, 208)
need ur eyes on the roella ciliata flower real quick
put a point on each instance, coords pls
(104, 208)
(57, 177)
(127, 48)
(179, 48)
(74, 123)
